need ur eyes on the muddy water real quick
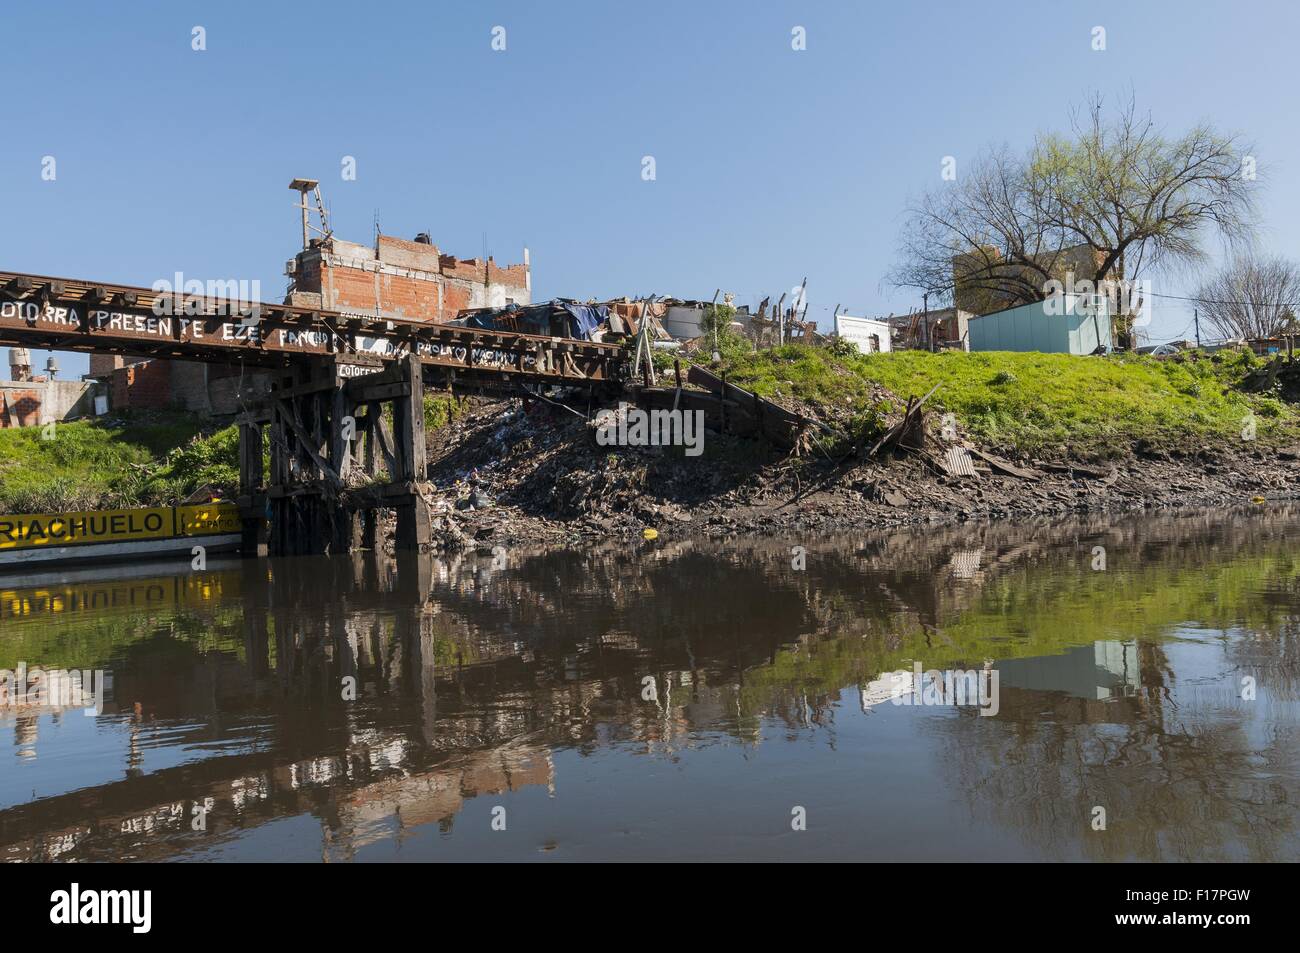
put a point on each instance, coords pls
(1082, 691)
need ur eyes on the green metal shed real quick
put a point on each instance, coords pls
(1069, 324)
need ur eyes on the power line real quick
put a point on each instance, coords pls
(1253, 304)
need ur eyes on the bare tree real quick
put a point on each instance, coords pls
(1124, 190)
(1115, 189)
(1252, 298)
(983, 233)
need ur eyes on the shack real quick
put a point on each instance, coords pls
(868, 335)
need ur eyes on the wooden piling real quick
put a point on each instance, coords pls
(252, 492)
(413, 527)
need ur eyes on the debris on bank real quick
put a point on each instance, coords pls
(518, 470)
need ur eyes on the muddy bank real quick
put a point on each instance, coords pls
(509, 474)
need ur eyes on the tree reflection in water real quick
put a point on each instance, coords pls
(1119, 689)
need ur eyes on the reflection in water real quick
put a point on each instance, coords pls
(675, 701)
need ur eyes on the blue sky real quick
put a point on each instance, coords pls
(771, 164)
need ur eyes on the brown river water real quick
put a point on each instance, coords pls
(1132, 696)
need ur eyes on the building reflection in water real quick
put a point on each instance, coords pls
(229, 686)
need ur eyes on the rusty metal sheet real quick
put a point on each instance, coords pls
(958, 462)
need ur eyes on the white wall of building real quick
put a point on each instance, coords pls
(869, 335)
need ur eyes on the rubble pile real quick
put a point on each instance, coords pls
(508, 473)
(504, 470)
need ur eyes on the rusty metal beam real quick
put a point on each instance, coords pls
(94, 317)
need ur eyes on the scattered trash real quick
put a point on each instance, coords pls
(528, 469)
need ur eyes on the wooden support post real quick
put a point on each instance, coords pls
(368, 459)
(279, 466)
(408, 421)
(368, 522)
(343, 433)
(303, 520)
(722, 402)
(252, 493)
(386, 445)
(413, 527)
(344, 528)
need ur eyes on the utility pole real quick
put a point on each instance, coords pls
(925, 321)
(713, 309)
(794, 312)
(780, 316)
(1196, 317)
(303, 187)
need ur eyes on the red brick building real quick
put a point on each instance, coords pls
(411, 280)
(136, 383)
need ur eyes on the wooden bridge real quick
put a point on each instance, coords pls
(336, 381)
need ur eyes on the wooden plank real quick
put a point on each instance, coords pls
(367, 395)
(1091, 473)
(711, 382)
(1002, 466)
(740, 418)
(393, 374)
(386, 445)
(299, 390)
(340, 446)
(305, 442)
(116, 319)
(893, 434)
(779, 425)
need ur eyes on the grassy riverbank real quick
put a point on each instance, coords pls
(141, 459)
(1041, 402)
(1050, 403)
(123, 460)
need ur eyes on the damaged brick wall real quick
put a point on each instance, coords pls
(102, 365)
(19, 408)
(217, 389)
(403, 279)
(143, 386)
(31, 403)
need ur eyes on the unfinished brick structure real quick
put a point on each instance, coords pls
(403, 279)
(984, 283)
(408, 280)
(141, 384)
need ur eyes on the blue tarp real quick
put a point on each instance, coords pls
(580, 320)
(585, 318)
(532, 320)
